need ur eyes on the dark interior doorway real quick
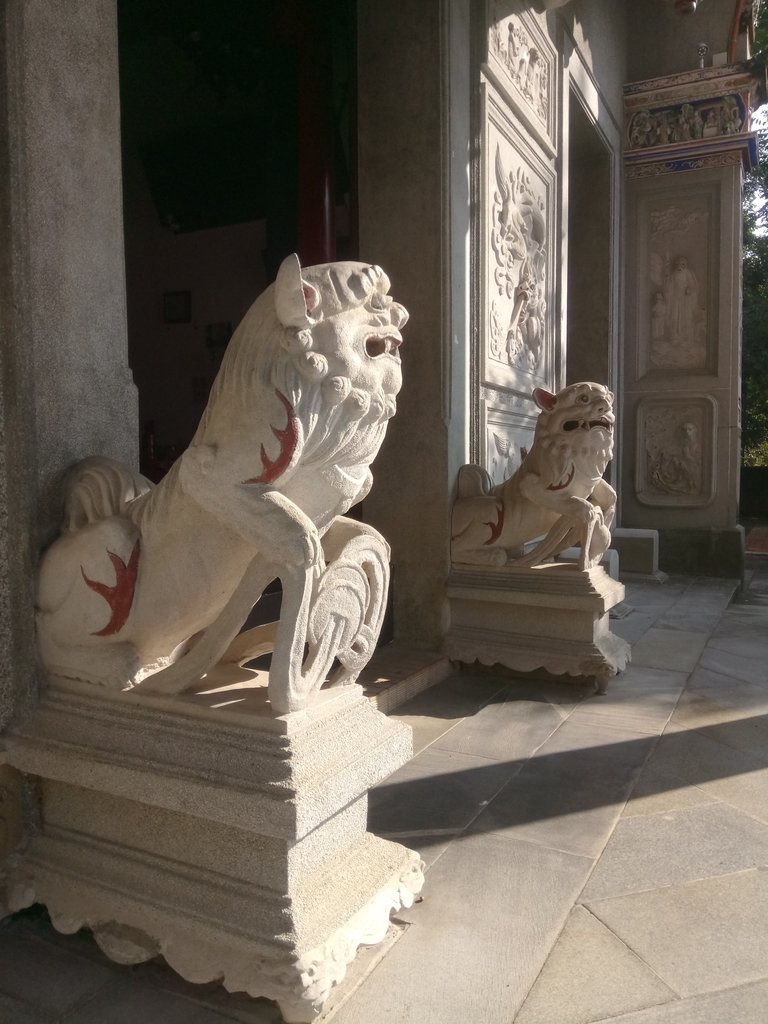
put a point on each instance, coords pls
(238, 130)
(589, 251)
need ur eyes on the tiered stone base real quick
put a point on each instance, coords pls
(550, 617)
(231, 842)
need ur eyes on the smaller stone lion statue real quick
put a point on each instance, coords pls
(149, 587)
(557, 492)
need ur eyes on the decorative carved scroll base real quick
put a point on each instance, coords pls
(237, 851)
(550, 617)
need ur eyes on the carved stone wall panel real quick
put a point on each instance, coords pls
(523, 63)
(507, 438)
(675, 456)
(677, 286)
(517, 263)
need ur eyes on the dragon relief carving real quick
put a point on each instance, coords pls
(558, 491)
(148, 587)
(518, 239)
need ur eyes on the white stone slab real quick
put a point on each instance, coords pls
(745, 1004)
(591, 975)
(678, 846)
(678, 650)
(478, 941)
(714, 934)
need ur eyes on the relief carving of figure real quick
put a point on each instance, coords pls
(676, 468)
(682, 295)
(148, 587)
(557, 492)
(678, 320)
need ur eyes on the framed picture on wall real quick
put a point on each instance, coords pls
(177, 307)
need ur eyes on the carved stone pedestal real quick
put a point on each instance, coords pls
(551, 617)
(207, 830)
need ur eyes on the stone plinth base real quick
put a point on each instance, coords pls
(229, 841)
(551, 617)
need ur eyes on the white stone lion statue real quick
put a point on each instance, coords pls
(558, 490)
(149, 587)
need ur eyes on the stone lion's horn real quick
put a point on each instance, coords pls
(544, 399)
(295, 299)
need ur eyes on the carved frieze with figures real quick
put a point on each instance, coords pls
(522, 61)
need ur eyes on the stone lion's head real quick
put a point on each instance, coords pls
(581, 412)
(328, 338)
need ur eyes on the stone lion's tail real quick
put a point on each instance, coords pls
(473, 481)
(97, 488)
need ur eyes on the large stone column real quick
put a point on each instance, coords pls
(413, 146)
(687, 142)
(66, 390)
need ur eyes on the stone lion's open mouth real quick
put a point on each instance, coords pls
(389, 345)
(587, 424)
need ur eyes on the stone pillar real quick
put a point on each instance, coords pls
(407, 224)
(687, 142)
(66, 390)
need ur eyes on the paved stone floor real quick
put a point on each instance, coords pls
(589, 858)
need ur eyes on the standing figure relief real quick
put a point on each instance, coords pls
(677, 317)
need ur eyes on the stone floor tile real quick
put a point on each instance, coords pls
(492, 913)
(69, 980)
(128, 1001)
(429, 845)
(647, 852)
(723, 771)
(210, 996)
(747, 696)
(571, 794)
(566, 694)
(438, 790)
(743, 1005)
(505, 730)
(676, 650)
(694, 617)
(640, 699)
(437, 710)
(699, 936)
(590, 975)
(652, 597)
(657, 791)
(753, 646)
(741, 621)
(741, 723)
(633, 626)
(12, 1011)
(750, 670)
